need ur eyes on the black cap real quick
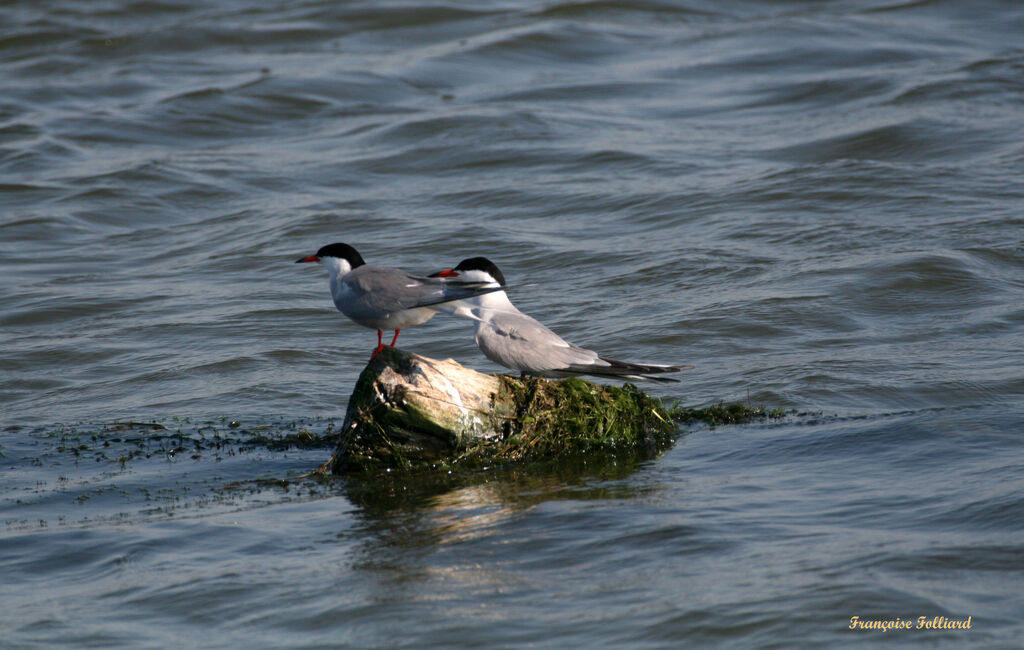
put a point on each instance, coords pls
(481, 264)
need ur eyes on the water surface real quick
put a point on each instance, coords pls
(816, 204)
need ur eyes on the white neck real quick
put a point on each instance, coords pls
(337, 268)
(486, 307)
(497, 300)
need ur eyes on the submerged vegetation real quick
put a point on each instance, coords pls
(517, 421)
(124, 441)
(126, 471)
(722, 413)
(571, 427)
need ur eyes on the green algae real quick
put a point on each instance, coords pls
(572, 416)
(721, 413)
(122, 442)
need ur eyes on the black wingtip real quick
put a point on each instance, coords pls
(642, 368)
(659, 380)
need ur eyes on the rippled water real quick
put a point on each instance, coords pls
(817, 204)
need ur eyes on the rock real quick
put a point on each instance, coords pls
(409, 412)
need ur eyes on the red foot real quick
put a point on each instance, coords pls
(380, 342)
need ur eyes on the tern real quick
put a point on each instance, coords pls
(512, 339)
(385, 298)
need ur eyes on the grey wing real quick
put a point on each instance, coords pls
(518, 341)
(388, 289)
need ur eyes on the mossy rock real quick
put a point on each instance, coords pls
(413, 413)
(409, 412)
(555, 418)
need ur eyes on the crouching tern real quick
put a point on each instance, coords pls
(512, 339)
(385, 298)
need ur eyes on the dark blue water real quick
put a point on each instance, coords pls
(816, 204)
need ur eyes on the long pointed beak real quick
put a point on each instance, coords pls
(308, 258)
(447, 273)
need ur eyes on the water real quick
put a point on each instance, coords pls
(817, 204)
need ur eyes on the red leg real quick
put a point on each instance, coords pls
(396, 337)
(380, 344)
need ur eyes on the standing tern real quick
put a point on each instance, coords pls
(384, 298)
(510, 338)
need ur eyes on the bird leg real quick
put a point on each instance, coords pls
(380, 344)
(396, 337)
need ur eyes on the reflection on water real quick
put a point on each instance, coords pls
(445, 507)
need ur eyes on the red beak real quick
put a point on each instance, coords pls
(447, 273)
(308, 258)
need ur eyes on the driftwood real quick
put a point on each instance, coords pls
(410, 412)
